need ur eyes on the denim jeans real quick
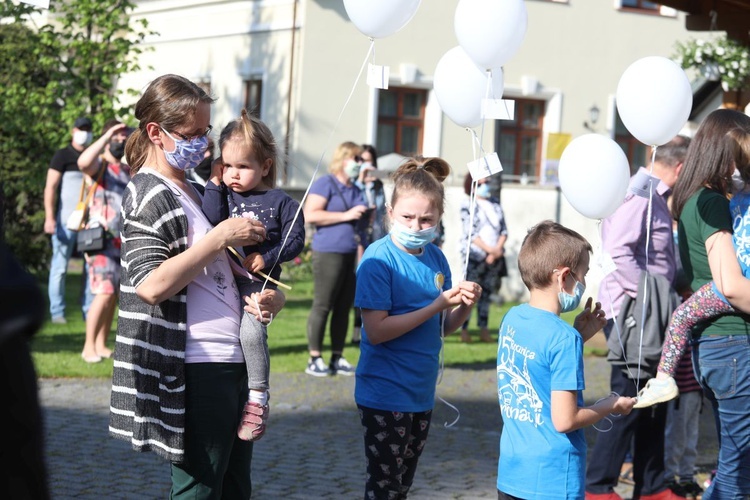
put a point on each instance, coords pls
(63, 244)
(722, 366)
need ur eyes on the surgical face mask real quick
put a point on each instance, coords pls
(483, 191)
(82, 138)
(413, 240)
(737, 183)
(117, 149)
(352, 168)
(186, 154)
(570, 302)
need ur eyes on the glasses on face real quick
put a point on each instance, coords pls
(186, 138)
(358, 159)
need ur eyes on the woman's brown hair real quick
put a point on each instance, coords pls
(709, 161)
(170, 101)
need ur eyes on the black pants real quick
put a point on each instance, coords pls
(643, 428)
(217, 462)
(335, 283)
(394, 441)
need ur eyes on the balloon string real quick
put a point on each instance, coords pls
(442, 369)
(370, 52)
(649, 214)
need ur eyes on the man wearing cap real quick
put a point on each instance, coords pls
(64, 177)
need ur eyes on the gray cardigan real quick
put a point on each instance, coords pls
(148, 381)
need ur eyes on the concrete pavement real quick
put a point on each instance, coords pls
(312, 448)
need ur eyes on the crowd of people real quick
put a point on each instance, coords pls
(192, 249)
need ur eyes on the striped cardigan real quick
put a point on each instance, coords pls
(148, 382)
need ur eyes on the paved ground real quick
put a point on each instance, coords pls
(312, 448)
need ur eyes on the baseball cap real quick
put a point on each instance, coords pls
(83, 123)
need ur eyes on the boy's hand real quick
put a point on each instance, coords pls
(254, 262)
(217, 170)
(590, 321)
(623, 405)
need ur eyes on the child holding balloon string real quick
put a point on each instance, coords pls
(401, 335)
(242, 185)
(707, 302)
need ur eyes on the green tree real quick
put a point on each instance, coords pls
(51, 73)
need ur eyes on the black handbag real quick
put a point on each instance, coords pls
(91, 240)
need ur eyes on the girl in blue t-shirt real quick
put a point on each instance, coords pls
(405, 294)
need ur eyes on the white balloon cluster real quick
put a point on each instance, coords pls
(654, 100)
(654, 96)
(489, 33)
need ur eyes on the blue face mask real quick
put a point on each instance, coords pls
(186, 154)
(483, 191)
(413, 240)
(570, 302)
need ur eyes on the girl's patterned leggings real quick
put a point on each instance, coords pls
(393, 443)
(703, 305)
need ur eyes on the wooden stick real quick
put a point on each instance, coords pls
(261, 273)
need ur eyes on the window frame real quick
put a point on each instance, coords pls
(247, 83)
(514, 173)
(399, 120)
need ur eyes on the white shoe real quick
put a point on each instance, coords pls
(341, 367)
(657, 391)
(317, 368)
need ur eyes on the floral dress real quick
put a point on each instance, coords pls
(104, 210)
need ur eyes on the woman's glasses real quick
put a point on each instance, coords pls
(186, 138)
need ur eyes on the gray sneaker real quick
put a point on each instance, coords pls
(341, 367)
(317, 368)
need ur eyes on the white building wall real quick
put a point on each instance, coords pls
(574, 51)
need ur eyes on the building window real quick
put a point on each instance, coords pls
(634, 149)
(640, 5)
(253, 92)
(518, 142)
(401, 120)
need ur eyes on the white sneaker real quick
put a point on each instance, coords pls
(657, 391)
(317, 368)
(341, 367)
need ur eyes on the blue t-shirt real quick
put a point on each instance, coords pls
(739, 207)
(538, 353)
(400, 374)
(337, 238)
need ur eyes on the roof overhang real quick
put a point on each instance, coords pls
(732, 16)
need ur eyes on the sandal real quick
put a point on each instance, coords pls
(253, 423)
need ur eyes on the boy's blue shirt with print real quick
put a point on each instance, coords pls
(538, 353)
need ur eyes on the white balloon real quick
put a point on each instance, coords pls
(490, 31)
(380, 18)
(654, 99)
(460, 85)
(594, 175)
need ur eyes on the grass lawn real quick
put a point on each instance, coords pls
(57, 348)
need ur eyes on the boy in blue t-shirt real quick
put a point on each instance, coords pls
(540, 371)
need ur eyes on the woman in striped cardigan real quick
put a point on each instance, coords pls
(179, 382)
